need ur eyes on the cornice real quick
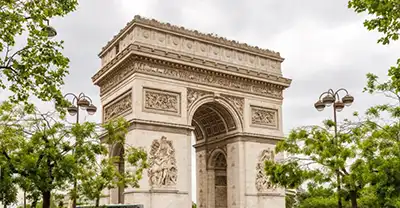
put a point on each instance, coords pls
(135, 121)
(239, 137)
(135, 63)
(119, 62)
(192, 33)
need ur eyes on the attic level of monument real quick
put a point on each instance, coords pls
(193, 44)
(187, 32)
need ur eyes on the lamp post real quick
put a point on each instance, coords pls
(79, 102)
(326, 99)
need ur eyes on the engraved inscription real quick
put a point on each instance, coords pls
(163, 170)
(262, 181)
(119, 107)
(264, 116)
(157, 100)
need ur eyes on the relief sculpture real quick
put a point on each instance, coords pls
(163, 169)
(262, 181)
(264, 116)
(193, 95)
(118, 107)
(161, 101)
(237, 102)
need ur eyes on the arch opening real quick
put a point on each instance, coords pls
(212, 121)
(117, 194)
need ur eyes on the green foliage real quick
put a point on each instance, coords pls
(381, 148)
(382, 145)
(38, 149)
(105, 175)
(8, 190)
(314, 154)
(39, 67)
(386, 15)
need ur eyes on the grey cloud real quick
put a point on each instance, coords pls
(256, 22)
(255, 18)
(85, 31)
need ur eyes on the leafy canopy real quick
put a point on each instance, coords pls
(31, 63)
(104, 174)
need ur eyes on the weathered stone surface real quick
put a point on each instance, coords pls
(182, 82)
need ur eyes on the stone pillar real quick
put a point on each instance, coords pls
(161, 188)
(211, 189)
(235, 175)
(201, 178)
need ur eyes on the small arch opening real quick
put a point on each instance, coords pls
(117, 194)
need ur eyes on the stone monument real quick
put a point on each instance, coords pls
(171, 83)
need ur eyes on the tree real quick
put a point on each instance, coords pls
(316, 155)
(38, 67)
(43, 153)
(386, 16)
(8, 190)
(382, 146)
(105, 174)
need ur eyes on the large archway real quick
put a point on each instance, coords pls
(213, 120)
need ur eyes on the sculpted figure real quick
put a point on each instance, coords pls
(262, 181)
(163, 170)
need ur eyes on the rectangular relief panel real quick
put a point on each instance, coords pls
(264, 117)
(120, 106)
(161, 101)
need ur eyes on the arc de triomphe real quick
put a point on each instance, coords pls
(170, 82)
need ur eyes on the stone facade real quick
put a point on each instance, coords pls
(170, 82)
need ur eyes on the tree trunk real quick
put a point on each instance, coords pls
(5, 205)
(353, 198)
(46, 195)
(98, 202)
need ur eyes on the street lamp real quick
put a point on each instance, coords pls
(79, 102)
(326, 99)
(51, 32)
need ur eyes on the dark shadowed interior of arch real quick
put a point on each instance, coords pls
(120, 164)
(211, 120)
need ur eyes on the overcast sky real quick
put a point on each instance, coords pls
(324, 43)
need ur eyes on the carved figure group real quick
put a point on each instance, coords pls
(118, 108)
(163, 169)
(263, 117)
(262, 181)
(161, 101)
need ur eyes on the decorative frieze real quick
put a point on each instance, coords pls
(266, 117)
(163, 171)
(120, 106)
(194, 75)
(194, 95)
(161, 101)
(263, 183)
(237, 102)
